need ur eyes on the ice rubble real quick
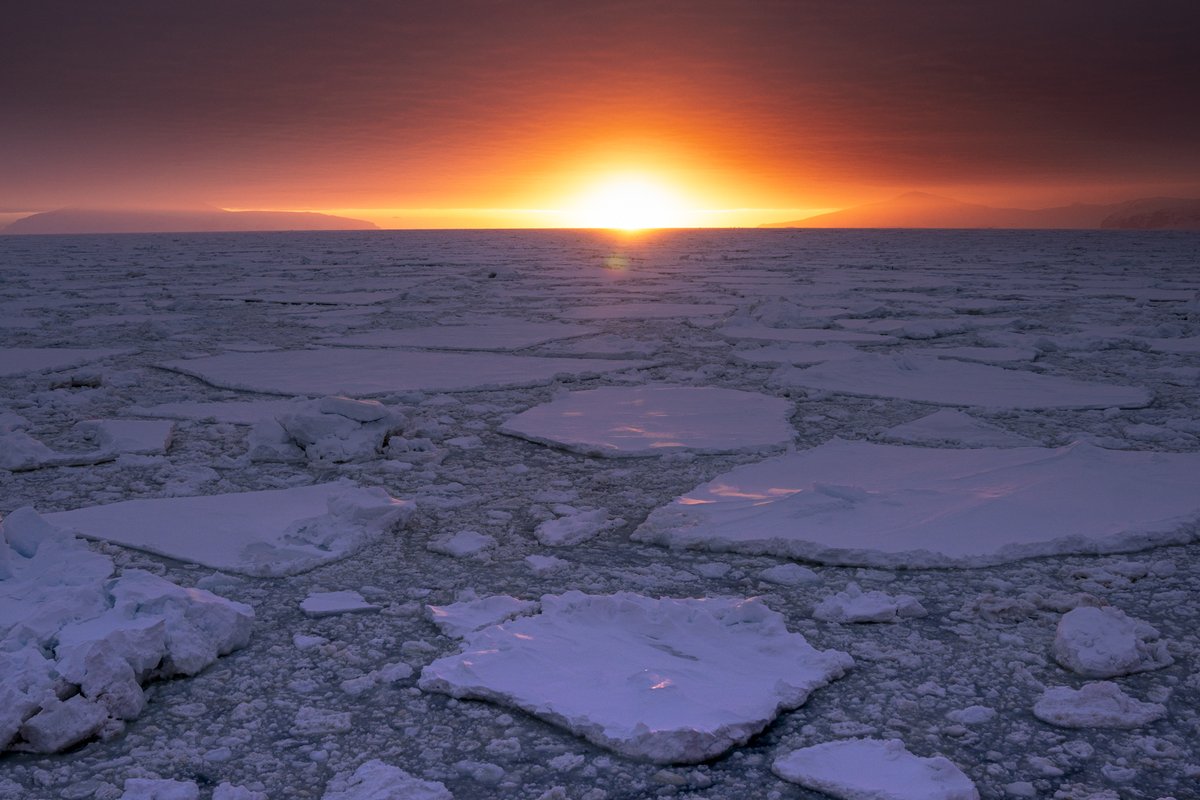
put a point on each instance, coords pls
(375, 780)
(331, 430)
(500, 334)
(854, 605)
(268, 533)
(23, 360)
(76, 643)
(1095, 705)
(874, 769)
(642, 676)
(947, 382)
(366, 372)
(1106, 643)
(883, 505)
(949, 425)
(652, 420)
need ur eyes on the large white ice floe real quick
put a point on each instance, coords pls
(652, 420)
(664, 680)
(369, 371)
(500, 334)
(269, 533)
(866, 504)
(958, 383)
(949, 425)
(874, 769)
(76, 643)
(1105, 643)
(22, 360)
(376, 780)
(1095, 705)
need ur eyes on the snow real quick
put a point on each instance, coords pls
(327, 604)
(76, 644)
(237, 412)
(375, 780)
(143, 437)
(461, 544)
(1095, 705)
(957, 383)
(885, 505)
(1106, 643)
(951, 426)
(574, 527)
(23, 360)
(472, 612)
(501, 334)
(651, 420)
(642, 676)
(272, 533)
(872, 769)
(21, 452)
(330, 430)
(366, 372)
(854, 605)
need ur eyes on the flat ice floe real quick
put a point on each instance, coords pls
(270, 533)
(68, 629)
(366, 372)
(958, 383)
(664, 680)
(652, 420)
(874, 769)
(866, 504)
(645, 310)
(1095, 705)
(754, 331)
(22, 360)
(507, 334)
(237, 412)
(950, 425)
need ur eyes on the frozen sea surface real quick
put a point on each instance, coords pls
(1086, 337)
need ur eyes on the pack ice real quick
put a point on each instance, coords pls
(652, 420)
(269, 533)
(22, 360)
(664, 680)
(947, 382)
(858, 503)
(873, 769)
(76, 643)
(496, 334)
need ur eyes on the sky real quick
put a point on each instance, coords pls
(537, 112)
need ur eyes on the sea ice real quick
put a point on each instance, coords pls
(884, 505)
(22, 360)
(501, 334)
(795, 353)
(1095, 705)
(238, 412)
(327, 604)
(874, 769)
(949, 425)
(142, 437)
(854, 605)
(651, 420)
(160, 789)
(472, 613)
(69, 629)
(375, 780)
(640, 310)
(753, 331)
(947, 382)
(365, 372)
(270, 533)
(461, 544)
(20, 452)
(1105, 643)
(665, 680)
(574, 527)
(330, 430)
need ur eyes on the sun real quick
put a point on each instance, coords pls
(629, 202)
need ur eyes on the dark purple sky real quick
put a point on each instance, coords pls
(345, 104)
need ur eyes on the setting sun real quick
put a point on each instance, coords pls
(629, 203)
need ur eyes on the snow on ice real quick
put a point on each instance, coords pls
(501, 334)
(375, 780)
(885, 505)
(1095, 705)
(873, 769)
(951, 426)
(665, 680)
(76, 643)
(269, 533)
(652, 420)
(1106, 643)
(854, 605)
(23, 360)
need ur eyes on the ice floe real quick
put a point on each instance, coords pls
(874, 769)
(753, 331)
(23, 360)
(76, 643)
(365, 372)
(958, 383)
(375, 780)
(885, 505)
(268, 533)
(574, 526)
(1106, 643)
(327, 604)
(645, 310)
(471, 612)
(330, 430)
(652, 420)
(951, 426)
(505, 334)
(1095, 705)
(852, 604)
(237, 412)
(142, 437)
(665, 680)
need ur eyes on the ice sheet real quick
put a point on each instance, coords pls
(22, 360)
(884, 505)
(508, 334)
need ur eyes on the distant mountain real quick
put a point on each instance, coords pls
(1156, 213)
(198, 220)
(923, 210)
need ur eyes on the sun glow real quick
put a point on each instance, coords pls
(629, 203)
